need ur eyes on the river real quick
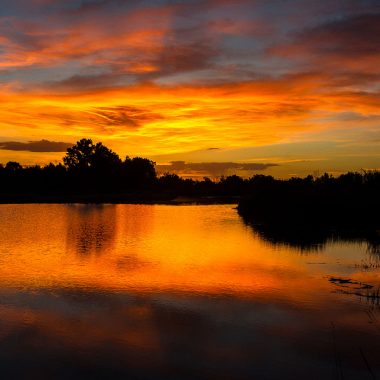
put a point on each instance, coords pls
(180, 292)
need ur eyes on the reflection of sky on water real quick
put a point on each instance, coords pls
(177, 336)
(175, 292)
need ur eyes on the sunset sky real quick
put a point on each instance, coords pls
(281, 87)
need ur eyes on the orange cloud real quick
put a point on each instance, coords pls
(164, 78)
(150, 119)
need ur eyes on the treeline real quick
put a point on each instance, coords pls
(92, 172)
(351, 200)
(87, 168)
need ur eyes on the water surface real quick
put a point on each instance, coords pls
(179, 292)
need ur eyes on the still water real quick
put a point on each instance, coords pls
(179, 292)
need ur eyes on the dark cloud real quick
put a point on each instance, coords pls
(354, 37)
(99, 5)
(344, 50)
(179, 57)
(81, 82)
(211, 168)
(36, 146)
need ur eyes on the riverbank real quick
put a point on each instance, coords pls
(142, 198)
(349, 200)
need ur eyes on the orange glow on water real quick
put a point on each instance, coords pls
(143, 249)
(122, 283)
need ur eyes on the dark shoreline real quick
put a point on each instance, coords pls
(308, 220)
(147, 199)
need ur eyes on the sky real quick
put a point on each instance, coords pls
(212, 87)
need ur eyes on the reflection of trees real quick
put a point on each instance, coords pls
(308, 212)
(374, 247)
(313, 237)
(91, 228)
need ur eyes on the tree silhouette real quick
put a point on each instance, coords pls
(139, 170)
(93, 172)
(86, 155)
(13, 166)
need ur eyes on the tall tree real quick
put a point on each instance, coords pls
(87, 155)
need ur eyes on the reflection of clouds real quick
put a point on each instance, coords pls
(221, 306)
(136, 223)
(171, 336)
(91, 228)
(135, 226)
(130, 263)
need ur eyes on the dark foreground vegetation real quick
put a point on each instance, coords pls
(308, 212)
(92, 173)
